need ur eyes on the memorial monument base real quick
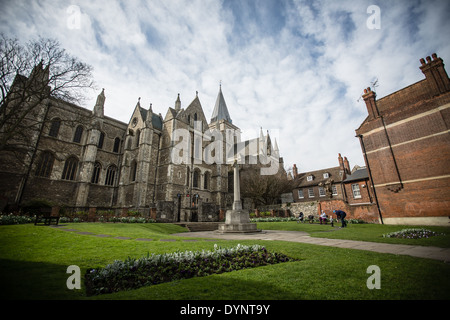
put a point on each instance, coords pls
(237, 221)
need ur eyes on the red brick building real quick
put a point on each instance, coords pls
(406, 146)
(335, 188)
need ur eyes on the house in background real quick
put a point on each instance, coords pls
(334, 188)
(405, 140)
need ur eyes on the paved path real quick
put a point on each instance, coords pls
(436, 253)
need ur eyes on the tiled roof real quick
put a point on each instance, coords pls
(359, 174)
(334, 174)
(220, 111)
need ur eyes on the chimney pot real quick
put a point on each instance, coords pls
(422, 61)
(369, 99)
(436, 76)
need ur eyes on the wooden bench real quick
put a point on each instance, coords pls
(46, 217)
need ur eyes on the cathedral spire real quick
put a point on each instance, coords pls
(178, 103)
(220, 109)
(100, 104)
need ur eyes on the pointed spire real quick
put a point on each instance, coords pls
(149, 116)
(40, 75)
(262, 143)
(100, 104)
(220, 109)
(178, 103)
(268, 144)
(276, 150)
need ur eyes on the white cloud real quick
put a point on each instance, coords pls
(296, 68)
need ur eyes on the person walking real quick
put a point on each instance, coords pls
(341, 215)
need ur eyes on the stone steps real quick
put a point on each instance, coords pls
(200, 226)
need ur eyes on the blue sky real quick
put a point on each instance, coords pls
(296, 68)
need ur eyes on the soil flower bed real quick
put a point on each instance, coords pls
(154, 269)
(411, 234)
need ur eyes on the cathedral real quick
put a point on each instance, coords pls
(178, 165)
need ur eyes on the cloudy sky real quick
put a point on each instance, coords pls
(294, 67)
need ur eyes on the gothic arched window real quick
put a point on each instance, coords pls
(101, 139)
(96, 172)
(206, 180)
(133, 171)
(188, 176)
(138, 136)
(78, 134)
(54, 127)
(116, 145)
(70, 169)
(196, 179)
(110, 175)
(45, 165)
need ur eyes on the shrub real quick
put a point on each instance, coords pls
(159, 268)
(64, 220)
(133, 220)
(134, 213)
(34, 206)
(356, 221)
(13, 219)
(81, 216)
(273, 219)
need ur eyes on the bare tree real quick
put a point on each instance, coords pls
(264, 189)
(32, 77)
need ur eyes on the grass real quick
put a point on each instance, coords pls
(362, 232)
(34, 260)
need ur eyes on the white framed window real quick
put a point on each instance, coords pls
(321, 192)
(309, 178)
(300, 194)
(326, 175)
(334, 190)
(356, 191)
(310, 192)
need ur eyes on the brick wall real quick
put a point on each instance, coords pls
(407, 147)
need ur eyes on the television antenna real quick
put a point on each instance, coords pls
(374, 84)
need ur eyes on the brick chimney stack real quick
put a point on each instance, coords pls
(341, 161)
(369, 99)
(435, 74)
(295, 171)
(346, 165)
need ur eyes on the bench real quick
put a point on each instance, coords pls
(46, 217)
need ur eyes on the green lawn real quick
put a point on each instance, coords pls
(34, 260)
(362, 232)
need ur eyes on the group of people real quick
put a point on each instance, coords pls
(340, 215)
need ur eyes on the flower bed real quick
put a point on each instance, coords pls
(159, 268)
(273, 219)
(6, 219)
(412, 234)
